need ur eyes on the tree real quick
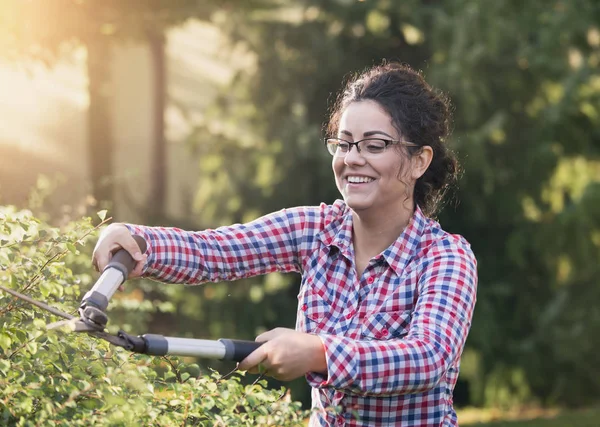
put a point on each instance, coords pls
(524, 81)
(42, 30)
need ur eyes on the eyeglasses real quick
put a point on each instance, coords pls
(367, 147)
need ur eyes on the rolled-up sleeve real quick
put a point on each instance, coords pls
(268, 244)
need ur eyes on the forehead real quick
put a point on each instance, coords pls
(365, 116)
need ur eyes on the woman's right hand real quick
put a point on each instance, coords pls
(114, 237)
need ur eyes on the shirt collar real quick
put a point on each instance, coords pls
(405, 247)
(338, 233)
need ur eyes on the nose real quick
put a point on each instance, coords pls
(353, 157)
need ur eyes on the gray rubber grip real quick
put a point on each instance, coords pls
(96, 299)
(124, 262)
(238, 350)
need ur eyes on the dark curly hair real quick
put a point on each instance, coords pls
(419, 113)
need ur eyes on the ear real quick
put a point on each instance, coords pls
(421, 162)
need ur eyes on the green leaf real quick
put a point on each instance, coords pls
(5, 342)
(45, 289)
(32, 347)
(102, 214)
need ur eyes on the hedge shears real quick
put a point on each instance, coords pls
(92, 319)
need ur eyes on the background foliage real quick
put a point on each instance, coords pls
(525, 83)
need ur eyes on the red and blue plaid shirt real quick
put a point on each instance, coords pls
(392, 337)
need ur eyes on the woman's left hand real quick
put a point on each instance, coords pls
(286, 354)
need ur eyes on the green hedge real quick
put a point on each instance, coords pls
(57, 378)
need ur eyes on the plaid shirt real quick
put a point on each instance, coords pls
(392, 337)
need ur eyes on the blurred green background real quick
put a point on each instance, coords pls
(202, 113)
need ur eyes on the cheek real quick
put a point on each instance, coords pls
(402, 169)
(403, 173)
(337, 165)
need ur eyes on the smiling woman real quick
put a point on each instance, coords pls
(387, 295)
(408, 112)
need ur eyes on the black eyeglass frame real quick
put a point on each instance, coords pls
(387, 142)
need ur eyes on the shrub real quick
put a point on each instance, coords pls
(56, 378)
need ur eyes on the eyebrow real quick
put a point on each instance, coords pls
(367, 134)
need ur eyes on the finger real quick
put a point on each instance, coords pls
(139, 267)
(128, 243)
(253, 359)
(272, 334)
(268, 335)
(101, 253)
(100, 260)
(258, 369)
(262, 337)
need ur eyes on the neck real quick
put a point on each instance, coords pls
(372, 234)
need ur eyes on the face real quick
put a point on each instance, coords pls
(382, 183)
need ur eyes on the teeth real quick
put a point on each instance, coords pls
(358, 179)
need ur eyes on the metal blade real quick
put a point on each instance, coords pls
(70, 325)
(38, 303)
(73, 323)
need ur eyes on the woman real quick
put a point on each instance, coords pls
(387, 296)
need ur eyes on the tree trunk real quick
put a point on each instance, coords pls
(158, 177)
(100, 136)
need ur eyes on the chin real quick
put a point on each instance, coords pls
(357, 204)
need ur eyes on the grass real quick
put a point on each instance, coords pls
(580, 418)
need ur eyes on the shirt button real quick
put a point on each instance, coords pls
(370, 280)
(304, 307)
(384, 333)
(350, 315)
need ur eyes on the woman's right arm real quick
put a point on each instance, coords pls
(270, 243)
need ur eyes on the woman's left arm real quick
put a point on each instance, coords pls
(437, 333)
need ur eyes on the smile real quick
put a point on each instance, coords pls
(359, 179)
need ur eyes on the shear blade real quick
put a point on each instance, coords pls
(73, 325)
(61, 324)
